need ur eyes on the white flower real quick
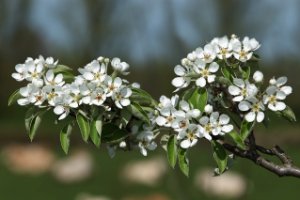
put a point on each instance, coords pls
(52, 93)
(205, 73)
(168, 116)
(112, 85)
(34, 72)
(208, 109)
(242, 90)
(98, 96)
(63, 106)
(50, 63)
(216, 124)
(32, 94)
(165, 102)
(273, 99)
(189, 137)
(121, 97)
(145, 139)
(258, 76)
(53, 80)
(135, 85)
(280, 84)
(208, 54)
(182, 80)
(224, 47)
(119, 66)
(21, 72)
(255, 109)
(243, 51)
(94, 72)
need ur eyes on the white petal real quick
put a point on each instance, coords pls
(125, 102)
(88, 76)
(23, 102)
(185, 144)
(272, 107)
(201, 82)
(161, 121)
(239, 82)
(227, 128)
(250, 117)
(49, 75)
(59, 110)
(258, 76)
(280, 106)
(117, 82)
(260, 116)
(179, 70)
(184, 105)
(216, 131)
(286, 89)
(178, 81)
(208, 108)
(211, 78)
(194, 141)
(281, 81)
(58, 78)
(194, 113)
(204, 120)
(244, 106)
(280, 95)
(233, 90)
(213, 67)
(224, 119)
(214, 117)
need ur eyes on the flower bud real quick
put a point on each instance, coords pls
(208, 109)
(258, 76)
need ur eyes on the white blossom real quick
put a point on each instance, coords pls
(182, 80)
(189, 137)
(32, 95)
(112, 85)
(168, 115)
(94, 72)
(242, 90)
(205, 72)
(280, 85)
(258, 76)
(224, 47)
(274, 99)
(121, 97)
(146, 142)
(165, 102)
(21, 73)
(243, 51)
(34, 72)
(54, 80)
(207, 54)
(216, 124)
(119, 66)
(208, 109)
(255, 109)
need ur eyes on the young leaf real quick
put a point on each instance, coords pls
(14, 97)
(188, 93)
(245, 72)
(34, 125)
(288, 114)
(138, 112)
(219, 155)
(246, 128)
(237, 139)
(96, 131)
(199, 98)
(226, 73)
(142, 97)
(125, 116)
(30, 114)
(65, 137)
(172, 150)
(183, 161)
(84, 126)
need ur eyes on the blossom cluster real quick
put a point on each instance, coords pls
(201, 64)
(93, 86)
(190, 124)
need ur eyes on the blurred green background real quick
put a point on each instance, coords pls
(152, 36)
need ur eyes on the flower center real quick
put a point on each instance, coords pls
(244, 92)
(223, 51)
(272, 99)
(243, 54)
(191, 135)
(206, 56)
(208, 128)
(205, 73)
(256, 108)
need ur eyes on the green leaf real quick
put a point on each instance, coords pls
(198, 100)
(246, 128)
(219, 155)
(65, 137)
(96, 131)
(142, 97)
(245, 72)
(113, 134)
(30, 114)
(172, 150)
(188, 93)
(226, 73)
(61, 69)
(14, 97)
(138, 112)
(125, 116)
(34, 125)
(183, 161)
(84, 126)
(289, 114)
(237, 139)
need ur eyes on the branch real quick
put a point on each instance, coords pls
(285, 169)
